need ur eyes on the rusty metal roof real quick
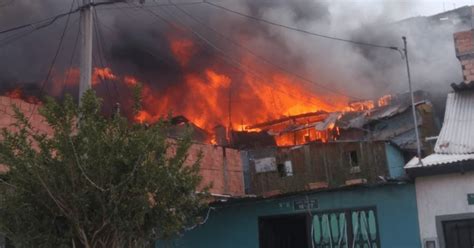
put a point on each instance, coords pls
(457, 133)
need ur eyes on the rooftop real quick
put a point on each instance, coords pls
(456, 140)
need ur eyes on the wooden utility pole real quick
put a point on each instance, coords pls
(86, 20)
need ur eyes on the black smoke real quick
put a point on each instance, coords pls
(135, 41)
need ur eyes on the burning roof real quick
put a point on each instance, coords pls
(387, 118)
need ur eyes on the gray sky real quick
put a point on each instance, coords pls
(430, 7)
(401, 8)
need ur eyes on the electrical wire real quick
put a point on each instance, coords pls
(50, 20)
(101, 56)
(360, 43)
(71, 61)
(152, 5)
(53, 62)
(299, 76)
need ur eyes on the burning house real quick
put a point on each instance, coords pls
(337, 173)
(289, 159)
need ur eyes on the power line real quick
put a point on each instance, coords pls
(152, 5)
(301, 30)
(101, 55)
(304, 79)
(53, 62)
(68, 73)
(50, 20)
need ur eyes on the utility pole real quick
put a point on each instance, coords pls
(86, 20)
(413, 107)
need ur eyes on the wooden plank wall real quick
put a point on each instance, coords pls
(319, 164)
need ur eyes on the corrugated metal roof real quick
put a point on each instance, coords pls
(456, 140)
(457, 133)
(438, 159)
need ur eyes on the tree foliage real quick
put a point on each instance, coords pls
(95, 181)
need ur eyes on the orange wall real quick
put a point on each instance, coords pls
(212, 165)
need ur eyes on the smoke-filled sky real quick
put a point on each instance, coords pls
(136, 42)
(409, 8)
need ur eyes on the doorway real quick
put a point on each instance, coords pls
(289, 231)
(459, 233)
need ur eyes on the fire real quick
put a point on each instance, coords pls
(15, 93)
(214, 93)
(101, 74)
(183, 49)
(130, 81)
(384, 100)
(142, 117)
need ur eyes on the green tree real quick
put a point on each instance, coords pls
(96, 182)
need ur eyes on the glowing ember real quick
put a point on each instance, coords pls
(100, 74)
(183, 49)
(130, 81)
(384, 100)
(15, 94)
(142, 117)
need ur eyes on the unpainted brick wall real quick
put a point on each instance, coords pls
(212, 164)
(231, 180)
(464, 44)
(7, 117)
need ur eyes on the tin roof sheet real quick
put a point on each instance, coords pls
(438, 159)
(457, 133)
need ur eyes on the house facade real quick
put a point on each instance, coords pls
(444, 180)
(335, 194)
(357, 216)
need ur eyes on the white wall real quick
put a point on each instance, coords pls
(442, 195)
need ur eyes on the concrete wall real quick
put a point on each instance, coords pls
(442, 195)
(237, 225)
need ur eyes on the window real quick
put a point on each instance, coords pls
(353, 161)
(350, 228)
(283, 232)
(285, 169)
(430, 244)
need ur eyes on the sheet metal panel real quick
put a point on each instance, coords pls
(457, 133)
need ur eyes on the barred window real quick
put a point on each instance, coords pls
(345, 229)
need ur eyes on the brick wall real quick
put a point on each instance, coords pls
(7, 116)
(229, 181)
(212, 166)
(464, 45)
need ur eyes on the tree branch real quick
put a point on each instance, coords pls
(82, 169)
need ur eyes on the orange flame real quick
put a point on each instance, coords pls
(100, 74)
(15, 93)
(183, 49)
(216, 95)
(130, 81)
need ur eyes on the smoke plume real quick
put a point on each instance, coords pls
(136, 41)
